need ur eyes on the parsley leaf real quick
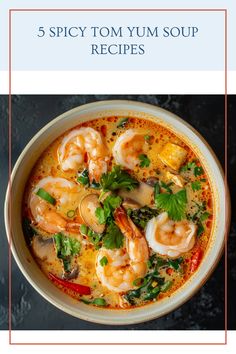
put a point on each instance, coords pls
(66, 248)
(109, 205)
(117, 179)
(188, 166)
(83, 178)
(199, 216)
(94, 238)
(196, 186)
(204, 216)
(198, 171)
(113, 237)
(174, 204)
(144, 160)
(103, 261)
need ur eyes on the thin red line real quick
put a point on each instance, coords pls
(120, 10)
(226, 173)
(15, 343)
(9, 167)
(9, 177)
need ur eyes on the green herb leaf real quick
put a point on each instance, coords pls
(118, 179)
(141, 216)
(28, 230)
(103, 261)
(204, 216)
(95, 185)
(173, 204)
(66, 248)
(196, 186)
(166, 186)
(83, 178)
(198, 171)
(156, 190)
(113, 237)
(200, 228)
(109, 205)
(166, 286)
(83, 229)
(94, 238)
(144, 160)
(99, 302)
(175, 263)
(188, 166)
(122, 122)
(46, 196)
(147, 138)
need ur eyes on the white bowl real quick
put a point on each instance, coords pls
(19, 178)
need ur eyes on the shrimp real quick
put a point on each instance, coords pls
(128, 147)
(81, 145)
(126, 264)
(52, 218)
(170, 238)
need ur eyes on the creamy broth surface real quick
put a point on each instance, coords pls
(170, 183)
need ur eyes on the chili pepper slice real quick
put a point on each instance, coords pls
(81, 289)
(195, 260)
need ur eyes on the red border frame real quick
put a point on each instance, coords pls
(10, 160)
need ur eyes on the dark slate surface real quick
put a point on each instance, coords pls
(206, 309)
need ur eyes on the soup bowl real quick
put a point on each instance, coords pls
(32, 152)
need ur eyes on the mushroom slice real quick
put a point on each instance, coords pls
(43, 248)
(178, 180)
(129, 203)
(87, 208)
(143, 195)
(72, 274)
(173, 156)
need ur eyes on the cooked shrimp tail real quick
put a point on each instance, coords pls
(126, 225)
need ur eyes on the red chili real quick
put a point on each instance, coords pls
(104, 130)
(169, 271)
(195, 260)
(81, 289)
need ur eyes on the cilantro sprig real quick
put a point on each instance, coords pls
(197, 170)
(109, 205)
(66, 248)
(118, 179)
(173, 204)
(113, 237)
(144, 160)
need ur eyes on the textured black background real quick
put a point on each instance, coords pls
(206, 309)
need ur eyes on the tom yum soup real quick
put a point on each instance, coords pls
(117, 212)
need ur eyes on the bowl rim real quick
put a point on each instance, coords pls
(80, 109)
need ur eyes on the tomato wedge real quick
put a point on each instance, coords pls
(78, 288)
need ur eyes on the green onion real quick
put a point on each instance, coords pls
(99, 302)
(83, 229)
(46, 196)
(103, 261)
(166, 286)
(122, 122)
(147, 138)
(71, 213)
